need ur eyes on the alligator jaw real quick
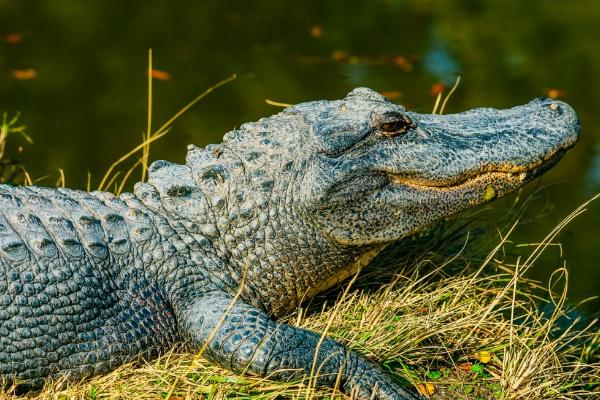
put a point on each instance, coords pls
(505, 175)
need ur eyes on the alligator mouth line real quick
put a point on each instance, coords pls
(487, 176)
(508, 173)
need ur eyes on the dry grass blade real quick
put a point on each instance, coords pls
(450, 93)
(277, 103)
(163, 130)
(438, 98)
(146, 149)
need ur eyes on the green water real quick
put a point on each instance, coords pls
(86, 104)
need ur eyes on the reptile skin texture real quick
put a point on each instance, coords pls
(212, 252)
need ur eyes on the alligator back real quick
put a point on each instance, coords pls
(73, 298)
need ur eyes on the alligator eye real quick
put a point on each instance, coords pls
(396, 127)
(391, 126)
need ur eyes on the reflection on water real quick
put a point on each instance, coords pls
(593, 175)
(76, 72)
(438, 61)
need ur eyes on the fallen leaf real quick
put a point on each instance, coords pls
(426, 389)
(465, 366)
(23, 74)
(160, 75)
(391, 94)
(316, 31)
(13, 38)
(483, 356)
(555, 93)
(339, 55)
(402, 62)
(437, 88)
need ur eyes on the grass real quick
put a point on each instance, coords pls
(11, 168)
(459, 327)
(449, 313)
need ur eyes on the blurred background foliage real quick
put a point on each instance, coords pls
(76, 72)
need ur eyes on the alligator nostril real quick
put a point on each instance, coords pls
(556, 108)
(542, 99)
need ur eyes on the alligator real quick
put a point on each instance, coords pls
(212, 252)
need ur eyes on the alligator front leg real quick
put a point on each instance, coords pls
(244, 339)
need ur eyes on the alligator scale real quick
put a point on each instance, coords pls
(290, 205)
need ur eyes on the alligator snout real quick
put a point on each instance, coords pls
(565, 119)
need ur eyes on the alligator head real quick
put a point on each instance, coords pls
(363, 170)
(318, 189)
(378, 172)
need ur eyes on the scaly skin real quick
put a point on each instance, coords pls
(284, 208)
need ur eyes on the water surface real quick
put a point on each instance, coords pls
(81, 84)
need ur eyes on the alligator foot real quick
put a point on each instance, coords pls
(244, 339)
